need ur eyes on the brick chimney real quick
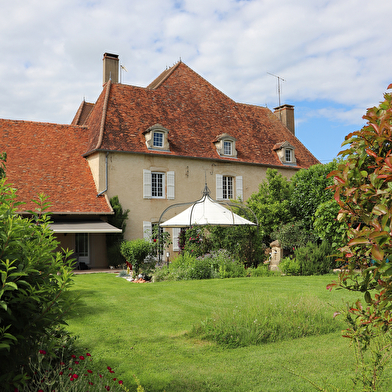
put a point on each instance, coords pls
(285, 114)
(110, 67)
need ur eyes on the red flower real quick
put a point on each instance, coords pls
(75, 376)
(109, 368)
(71, 379)
(91, 383)
(40, 390)
(73, 356)
(61, 373)
(62, 363)
(100, 376)
(88, 355)
(77, 362)
(81, 357)
(90, 371)
(43, 352)
(107, 388)
(114, 379)
(120, 382)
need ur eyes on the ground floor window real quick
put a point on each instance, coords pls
(82, 246)
(228, 187)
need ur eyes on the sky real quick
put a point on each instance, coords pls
(331, 59)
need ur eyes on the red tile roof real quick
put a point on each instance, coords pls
(47, 158)
(195, 113)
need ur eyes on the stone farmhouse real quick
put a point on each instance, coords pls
(151, 146)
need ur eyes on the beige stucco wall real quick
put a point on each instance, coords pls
(125, 172)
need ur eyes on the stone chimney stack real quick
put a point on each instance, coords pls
(285, 114)
(110, 67)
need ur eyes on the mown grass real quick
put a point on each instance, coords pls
(144, 329)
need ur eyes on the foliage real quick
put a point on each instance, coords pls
(113, 240)
(34, 282)
(3, 159)
(314, 259)
(271, 204)
(217, 264)
(68, 373)
(294, 235)
(327, 226)
(261, 270)
(362, 188)
(266, 321)
(309, 190)
(289, 266)
(136, 251)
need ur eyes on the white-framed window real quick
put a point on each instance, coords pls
(226, 185)
(227, 147)
(175, 238)
(288, 155)
(82, 247)
(158, 139)
(158, 185)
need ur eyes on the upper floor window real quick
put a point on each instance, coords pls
(158, 184)
(285, 152)
(229, 187)
(225, 145)
(157, 138)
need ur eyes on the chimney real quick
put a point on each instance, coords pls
(110, 67)
(285, 114)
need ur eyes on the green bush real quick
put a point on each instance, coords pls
(135, 252)
(35, 281)
(261, 271)
(314, 259)
(290, 266)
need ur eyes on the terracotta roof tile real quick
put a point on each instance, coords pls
(47, 158)
(195, 113)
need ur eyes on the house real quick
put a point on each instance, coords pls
(158, 145)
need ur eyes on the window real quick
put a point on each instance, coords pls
(227, 147)
(227, 187)
(288, 153)
(82, 246)
(157, 185)
(158, 139)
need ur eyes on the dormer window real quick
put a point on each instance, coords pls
(285, 152)
(157, 138)
(225, 145)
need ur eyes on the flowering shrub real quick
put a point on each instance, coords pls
(49, 373)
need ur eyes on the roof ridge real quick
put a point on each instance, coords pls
(104, 112)
(163, 76)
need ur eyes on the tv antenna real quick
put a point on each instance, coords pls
(122, 68)
(279, 80)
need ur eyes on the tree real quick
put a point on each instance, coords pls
(363, 189)
(35, 279)
(271, 204)
(309, 190)
(113, 240)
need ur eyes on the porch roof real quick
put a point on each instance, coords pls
(83, 227)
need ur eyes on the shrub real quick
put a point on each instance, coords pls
(261, 271)
(35, 281)
(314, 259)
(136, 251)
(290, 266)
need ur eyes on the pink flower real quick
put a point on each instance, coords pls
(43, 352)
(120, 382)
(75, 376)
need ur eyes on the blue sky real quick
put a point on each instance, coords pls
(334, 55)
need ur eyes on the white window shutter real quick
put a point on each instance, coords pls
(146, 184)
(147, 230)
(176, 233)
(170, 185)
(219, 187)
(238, 185)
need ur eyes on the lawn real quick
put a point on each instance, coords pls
(142, 330)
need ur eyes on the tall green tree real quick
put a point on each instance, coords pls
(309, 190)
(271, 204)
